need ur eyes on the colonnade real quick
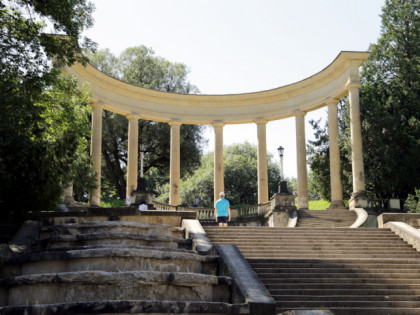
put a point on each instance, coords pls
(175, 197)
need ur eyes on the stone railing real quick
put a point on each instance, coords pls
(208, 213)
(163, 206)
(247, 211)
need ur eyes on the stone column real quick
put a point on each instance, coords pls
(175, 164)
(262, 161)
(95, 152)
(356, 147)
(133, 153)
(335, 173)
(219, 182)
(301, 161)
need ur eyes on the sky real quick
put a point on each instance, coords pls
(239, 46)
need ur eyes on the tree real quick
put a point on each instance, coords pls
(390, 109)
(390, 103)
(240, 177)
(139, 66)
(41, 112)
(319, 156)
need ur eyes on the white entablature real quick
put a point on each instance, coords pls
(306, 95)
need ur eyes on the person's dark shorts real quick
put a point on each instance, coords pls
(222, 219)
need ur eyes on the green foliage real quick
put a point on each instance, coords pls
(240, 169)
(390, 112)
(319, 204)
(139, 66)
(111, 203)
(412, 203)
(390, 103)
(319, 157)
(42, 114)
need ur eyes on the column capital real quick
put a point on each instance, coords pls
(353, 83)
(174, 122)
(95, 104)
(299, 113)
(333, 101)
(131, 116)
(260, 121)
(218, 123)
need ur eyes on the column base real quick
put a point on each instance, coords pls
(337, 204)
(358, 200)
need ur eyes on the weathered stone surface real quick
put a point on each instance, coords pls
(406, 232)
(111, 259)
(111, 238)
(200, 242)
(129, 214)
(113, 226)
(128, 307)
(99, 285)
(249, 285)
(412, 219)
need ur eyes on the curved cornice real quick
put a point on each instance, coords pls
(306, 95)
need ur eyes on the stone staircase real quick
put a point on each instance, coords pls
(346, 271)
(105, 267)
(326, 218)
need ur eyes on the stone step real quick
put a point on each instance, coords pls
(387, 246)
(110, 259)
(283, 277)
(302, 238)
(128, 307)
(251, 230)
(330, 250)
(101, 286)
(358, 297)
(326, 271)
(341, 280)
(350, 310)
(349, 263)
(112, 238)
(276, 288)
(112, 226)
(292, 255)
(350, 304)
(331, 292)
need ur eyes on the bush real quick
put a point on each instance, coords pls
(412, 203)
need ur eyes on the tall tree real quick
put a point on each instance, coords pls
(41, 112)
(390, 103)
(139, 66)
(241, 183)
(390, 109)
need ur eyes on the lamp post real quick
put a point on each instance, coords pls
(283, 183)
(141, 185)
(280, 149)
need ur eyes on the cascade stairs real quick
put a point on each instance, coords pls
(326, 218)
(346, 271)
(105, 267)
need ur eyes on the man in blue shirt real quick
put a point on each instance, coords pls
(222, 210)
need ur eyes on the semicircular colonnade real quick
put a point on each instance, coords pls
(325, 88)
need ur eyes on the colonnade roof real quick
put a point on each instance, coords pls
(328, 85)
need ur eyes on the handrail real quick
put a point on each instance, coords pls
(208, 213)
(163, 206)
(253, 210)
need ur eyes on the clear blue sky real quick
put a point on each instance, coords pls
(237, 46)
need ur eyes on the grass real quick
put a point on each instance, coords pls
(112, 203)
(318, 204)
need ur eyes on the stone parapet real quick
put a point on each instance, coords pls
(412, 219)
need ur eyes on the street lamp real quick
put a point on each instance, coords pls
(142, 151)
(280, 149)
(283, 183)
(141, 183)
